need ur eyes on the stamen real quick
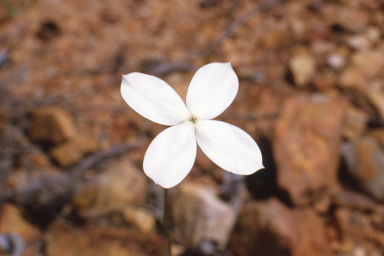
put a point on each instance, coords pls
(193, 119)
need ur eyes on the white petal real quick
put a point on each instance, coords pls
(212, 90)
(171, 155)
(229, 147)
(153, 98)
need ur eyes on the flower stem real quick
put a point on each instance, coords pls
(166, 222)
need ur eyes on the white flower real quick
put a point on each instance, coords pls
(171, 155)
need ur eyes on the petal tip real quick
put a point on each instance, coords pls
(229, 63)
(259, 168)
(165, 185)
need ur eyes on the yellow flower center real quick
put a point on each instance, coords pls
(193, 119)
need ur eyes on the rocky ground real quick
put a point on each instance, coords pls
(311, 94)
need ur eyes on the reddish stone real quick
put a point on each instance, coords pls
(306, 145)
(270, 228)
(353, 225)
(64, 240)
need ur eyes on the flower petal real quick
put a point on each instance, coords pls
(212, 90)
(153, 98)
(229, 147)
(171, 155)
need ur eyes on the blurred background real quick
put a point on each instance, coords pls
(311, 95)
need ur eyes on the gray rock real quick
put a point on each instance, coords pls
(365, 161)
(121, 184)
(199, 215)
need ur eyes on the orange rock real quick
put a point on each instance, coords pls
(100, 241)
(306, 145)
(353, 225)
(12, 221)
(144, 221)
(74, 150)
(51, 124)
(271, 228)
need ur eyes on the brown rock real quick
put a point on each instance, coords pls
(359, 42)
(119, 185)
(322, 203)
(3, 117)
(12, 221)
(74, 150)
(144, 221)
(353, 76)
(374, 34)
(378, 134)
(355, 122)
(43, 189)
(96, 241)
(353, 225)
(352, 19)
(277, 39)
(365, 161)
(377, 218)
(198, 214)
(324, 81)
(306, 145)
(17, 179)
(38, 160)
(364, 66)
(376, 236)
(3, 13)
(51, 124)
(271, 228)
(370, 62)
(354, 200)
(302, 66)
(376, 97)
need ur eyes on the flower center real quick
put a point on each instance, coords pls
(193, 119)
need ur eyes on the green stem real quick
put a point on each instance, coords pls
(166, 222)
